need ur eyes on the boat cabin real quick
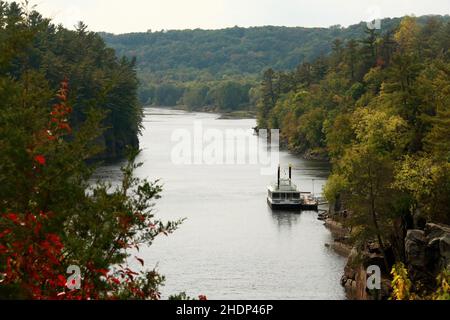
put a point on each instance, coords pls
(284, 194)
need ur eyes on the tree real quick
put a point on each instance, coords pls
(366, 172)
(230, 95)
(369, 49)
(49, 221)
(195, 96)
(426, 182)
(268, 97)
(167, 95)
(339, 135)
(29, 43)
(378, 108)
(351, 57)
(407, 35)
(438, 95)
(52, 216)
(337, 49)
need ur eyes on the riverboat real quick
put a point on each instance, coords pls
(286, 195)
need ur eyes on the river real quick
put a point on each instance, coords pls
(232, 246)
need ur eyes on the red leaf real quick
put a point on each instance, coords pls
(61, 281)
(12, 216)
(103, 272)
(45, 244)
(54, 238)
(5, 233)
(37, 228)
(40, 159)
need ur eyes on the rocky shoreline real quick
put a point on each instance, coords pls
(427, 252)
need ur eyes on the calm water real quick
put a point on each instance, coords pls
(232, 246)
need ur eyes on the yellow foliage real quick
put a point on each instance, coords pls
(378, 130)
(443, 292)
(406, 35)
(401, 285)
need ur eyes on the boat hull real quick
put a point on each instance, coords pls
(292, 207)
(310, 207)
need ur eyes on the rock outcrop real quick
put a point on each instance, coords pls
(427, 252)
(355, 275)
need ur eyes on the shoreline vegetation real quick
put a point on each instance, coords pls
(37, 50)
(423, 256)
(375, 103)
(378, 107)
(65, 99)
(223, 115)
(223, 67)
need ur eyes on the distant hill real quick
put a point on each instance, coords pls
(218, 68)
(187, 55)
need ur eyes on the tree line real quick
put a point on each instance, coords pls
(230, 95)
(37, 51)
(379, 109)
(65, 100)
(204, 68)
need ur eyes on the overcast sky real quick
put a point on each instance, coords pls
(118, 16)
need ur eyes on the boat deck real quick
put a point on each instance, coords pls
(285, 195)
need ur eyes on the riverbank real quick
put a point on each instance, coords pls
(238, 115)
(359, 258)
(223, 115)
(427, 253)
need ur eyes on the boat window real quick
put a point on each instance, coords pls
(289, 196)
(296, 196)
(275, 196)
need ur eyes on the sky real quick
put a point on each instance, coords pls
(119, 16)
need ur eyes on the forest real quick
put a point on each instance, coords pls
(40, 52)
(67, 100)
(221, 69)
(378, 108)
(375, 103)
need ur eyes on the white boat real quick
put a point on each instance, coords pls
(285, 195)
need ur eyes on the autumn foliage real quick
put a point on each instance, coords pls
(64, 233)
(40, 242)
(32, 257)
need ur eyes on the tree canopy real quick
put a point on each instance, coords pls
(63, 236)
(170, 63)
(32, 47)
(377, 107)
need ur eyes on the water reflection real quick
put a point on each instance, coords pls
(232, 245)
(285, 219)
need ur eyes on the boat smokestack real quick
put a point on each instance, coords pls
(290, 172)
(279, 176)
